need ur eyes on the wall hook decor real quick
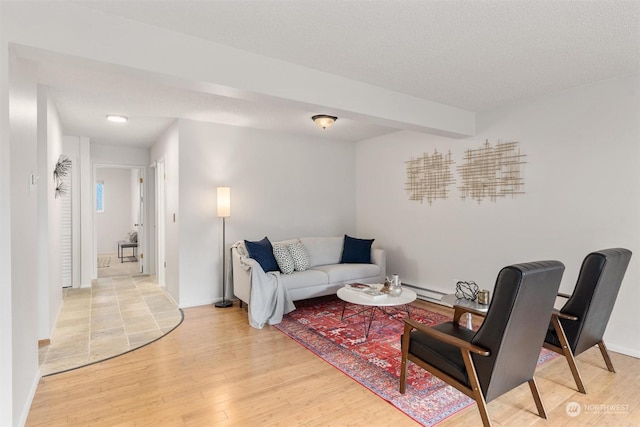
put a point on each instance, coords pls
(62, 169)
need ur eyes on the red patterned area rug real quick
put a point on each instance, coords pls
(374, 361)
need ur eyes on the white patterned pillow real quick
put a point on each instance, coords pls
(301, 259)
(283, 258)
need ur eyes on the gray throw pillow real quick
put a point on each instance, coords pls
(283, 258)
(301, 259)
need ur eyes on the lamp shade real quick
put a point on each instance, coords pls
(224, 202)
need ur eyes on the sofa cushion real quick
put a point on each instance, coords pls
(356, 251)
(304, 279)
(283, 258)
(323, 250)
(262, 252)
(300, 256)
(341, 273)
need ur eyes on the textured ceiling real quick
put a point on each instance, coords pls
(475, 55)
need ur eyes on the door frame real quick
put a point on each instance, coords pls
(160, 225)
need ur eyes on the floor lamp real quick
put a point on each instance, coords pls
(224, 211)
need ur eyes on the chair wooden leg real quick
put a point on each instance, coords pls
(568, 354)
(405, 351)
(536, 397)
(605, 356)
(475, 387)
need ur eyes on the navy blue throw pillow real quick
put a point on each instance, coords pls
(356, 251)
(262, 251)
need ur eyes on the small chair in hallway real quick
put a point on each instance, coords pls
(503, 353)
(581, 322)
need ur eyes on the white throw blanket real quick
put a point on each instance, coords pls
(269, 298)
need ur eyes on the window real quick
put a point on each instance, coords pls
(100, 196)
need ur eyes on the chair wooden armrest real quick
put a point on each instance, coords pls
(410, 324)
(558, 313)
(459, 310)
(563, 295)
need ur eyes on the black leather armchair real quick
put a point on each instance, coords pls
(503, 353)
(581, 322)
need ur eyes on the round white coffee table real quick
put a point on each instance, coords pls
(370, 305)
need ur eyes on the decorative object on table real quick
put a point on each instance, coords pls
(61, 170)
(370, 291)
(429, 177)
(483, 297)
(467, 290)
(395, 289)
(385, 286)
(492, 171)
(358, 286)
(132, 237)
(224, 211)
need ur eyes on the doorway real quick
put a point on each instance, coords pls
(119, 226)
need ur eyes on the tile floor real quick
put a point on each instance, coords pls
(115, 315)
(110, 265)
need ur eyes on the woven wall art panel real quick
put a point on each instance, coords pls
(429, 177)
(491, 172)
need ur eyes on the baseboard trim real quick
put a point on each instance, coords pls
(426, 294)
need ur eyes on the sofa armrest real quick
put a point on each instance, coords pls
(379, 257)
(241, 277)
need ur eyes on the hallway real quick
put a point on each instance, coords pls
(110, 265)
(114, 316)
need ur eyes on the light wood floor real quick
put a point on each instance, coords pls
(216, 370)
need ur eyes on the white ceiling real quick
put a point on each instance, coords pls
(475, 55)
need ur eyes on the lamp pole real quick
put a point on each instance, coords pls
(224, 210)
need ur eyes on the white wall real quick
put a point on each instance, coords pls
(582, 194)
(282, 186)
(167, 148)
(134, 208)
(119, 155)
(49, 215)
(115, 222)
(6, 283)
(23, 335)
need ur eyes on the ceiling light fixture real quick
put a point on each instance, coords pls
(323, 120)
(115, 118)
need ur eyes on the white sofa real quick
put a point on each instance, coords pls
(325, 275)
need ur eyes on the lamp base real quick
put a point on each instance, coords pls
(224, 303)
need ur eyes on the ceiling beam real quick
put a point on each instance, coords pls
(198, 64)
